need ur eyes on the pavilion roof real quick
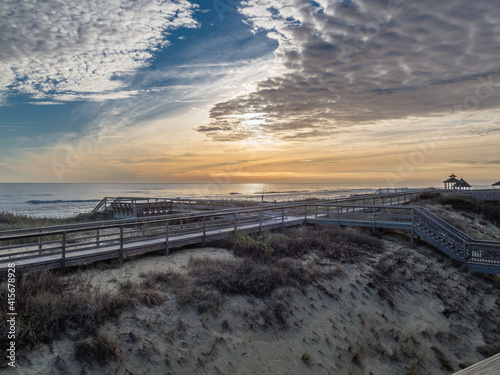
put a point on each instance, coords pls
(452, 179)
(462, 183)
(496, 184)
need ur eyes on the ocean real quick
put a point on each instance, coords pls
(66, 200)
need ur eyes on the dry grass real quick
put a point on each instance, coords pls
(9, 221)
(340, 244)
(50, 305)
(490, 211)
(98, 349)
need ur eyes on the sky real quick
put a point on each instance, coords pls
(388, 92)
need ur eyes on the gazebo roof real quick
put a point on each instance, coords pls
(463, 184)
(452, 175)
(450, 180)
(496, 184)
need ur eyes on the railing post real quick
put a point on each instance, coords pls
(98, 238)
(167, 248)
(260, 222)
(63, 249)
(338, 215)
(282, 217)
(39, 244)
(204, 230)
(412, 241)
(374, 218)
(120, 251)
(143, 230)
(236, 223)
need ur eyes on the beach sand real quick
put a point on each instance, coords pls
(405, 310)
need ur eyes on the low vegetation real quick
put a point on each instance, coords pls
(488, 210)
(50, 305)
(9, 221)
(341, 244)
(364, 288)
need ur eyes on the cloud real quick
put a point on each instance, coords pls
(78, 50)
(475, 162)
(46, 103)
(344, 63)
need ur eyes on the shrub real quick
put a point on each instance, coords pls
(339, 243)
(100, 349)
(443, 359)
(48, 304)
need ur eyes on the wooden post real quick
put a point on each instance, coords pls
(143, 230)
(167, 248)
(40, 244)
(260, 222)
(63, 249)
(120, 250)
(235, 223)
(316, 212)
(374, 218)
(282, 217)
(412, 241)
(338, 215)
(204, 230)
(98, 238)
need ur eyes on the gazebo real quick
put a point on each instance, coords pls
(451, 182)
(496, 184)
(461, 184)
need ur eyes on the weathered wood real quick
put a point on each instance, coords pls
(63, 251)
(489, 366)
(143, 237)
(120, 250)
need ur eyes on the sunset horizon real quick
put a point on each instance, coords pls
(383, 93)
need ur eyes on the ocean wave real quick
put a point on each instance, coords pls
(59, 201)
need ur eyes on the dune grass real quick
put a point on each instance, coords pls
(489, 210)
(9, 221)
(49, 305)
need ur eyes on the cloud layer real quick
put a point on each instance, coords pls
(361, 61)
(69, 50)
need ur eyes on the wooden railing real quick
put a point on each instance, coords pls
(460, 246)
(112, 239)
(79, 243)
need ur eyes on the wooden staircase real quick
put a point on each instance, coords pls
(477, 255)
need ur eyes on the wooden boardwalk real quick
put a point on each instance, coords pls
(490, 366)
(64, 246)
